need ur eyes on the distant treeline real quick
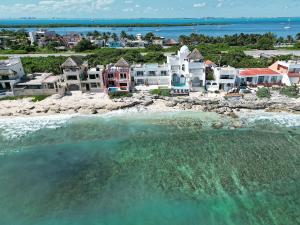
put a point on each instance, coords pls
(105, 25)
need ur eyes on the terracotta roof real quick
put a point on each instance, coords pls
(122, 63)
(171, 42)
(290, 74)
(209, 63)
(257, 72)
(195, 55)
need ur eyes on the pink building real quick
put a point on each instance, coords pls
(117, 77)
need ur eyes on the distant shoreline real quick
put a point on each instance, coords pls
(109, 25)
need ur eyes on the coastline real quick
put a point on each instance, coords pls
(112, 25)
(100, 104)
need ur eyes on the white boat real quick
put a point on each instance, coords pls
(289, 25)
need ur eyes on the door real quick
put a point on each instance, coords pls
(7, 86)
(87, 87)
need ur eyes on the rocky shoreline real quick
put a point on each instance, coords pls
(99, 104)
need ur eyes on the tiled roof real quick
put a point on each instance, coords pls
(257, 72)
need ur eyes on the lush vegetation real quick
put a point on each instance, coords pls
(290, 91)
(161, 92)
(35, 98)
(3, 57)
(107, 56)
(263, 93)
(119, 94)
(43, 64)
(105, 25)
(254, 41)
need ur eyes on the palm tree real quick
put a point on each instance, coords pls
(298, 37)
(123, 34)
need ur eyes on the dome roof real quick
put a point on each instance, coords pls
(184, 49)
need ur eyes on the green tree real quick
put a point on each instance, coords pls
(149, 36)
(265, 43)
(84, 45)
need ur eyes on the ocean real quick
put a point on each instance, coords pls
(227, 26)
(132, 169)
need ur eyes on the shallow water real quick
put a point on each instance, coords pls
(227, 26)
(167, 169)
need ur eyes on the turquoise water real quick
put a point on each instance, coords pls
(226, 26)
(168, 169)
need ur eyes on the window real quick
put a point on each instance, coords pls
(71, 77)
(261, 79)
(140, 73)
(110, 75)
(274, 79)
(183, 67)
(92, 77)
(123, 76)
(249, 79)
(93, 85)
(151, 73)
(123, 84)
(163, 73)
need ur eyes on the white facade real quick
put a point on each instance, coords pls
(94, 81)
(11, 72)
(41, 37)
(151, 76)
(225, 77)
(187, 70)
(290, 71)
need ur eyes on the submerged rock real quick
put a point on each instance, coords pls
(217, 125)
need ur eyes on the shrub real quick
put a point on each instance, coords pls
(290, 91)
(161, 92)
(39, 98)
(119, 94)
(263, 93)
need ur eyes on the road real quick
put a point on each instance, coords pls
(270, 53)
(45, 55)
(61, 54)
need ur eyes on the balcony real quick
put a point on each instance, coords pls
(4, 78)
(293, 74)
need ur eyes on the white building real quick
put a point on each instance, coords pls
(11, 72)
(41, 37)
(151, 76)
(290, 71)
(187, 70)
(38, 84)
(74, 70)
(94, 81)
(225, 77)
(77, 76)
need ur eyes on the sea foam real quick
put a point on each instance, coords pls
(16, 127)
(281, 119)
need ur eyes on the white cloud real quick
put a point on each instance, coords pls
(220, 3)
(56, 7)
(127, 10)
(199, 5)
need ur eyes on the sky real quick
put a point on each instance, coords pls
(148, 8)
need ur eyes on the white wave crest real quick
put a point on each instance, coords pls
(281, 119)
(16, 127)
